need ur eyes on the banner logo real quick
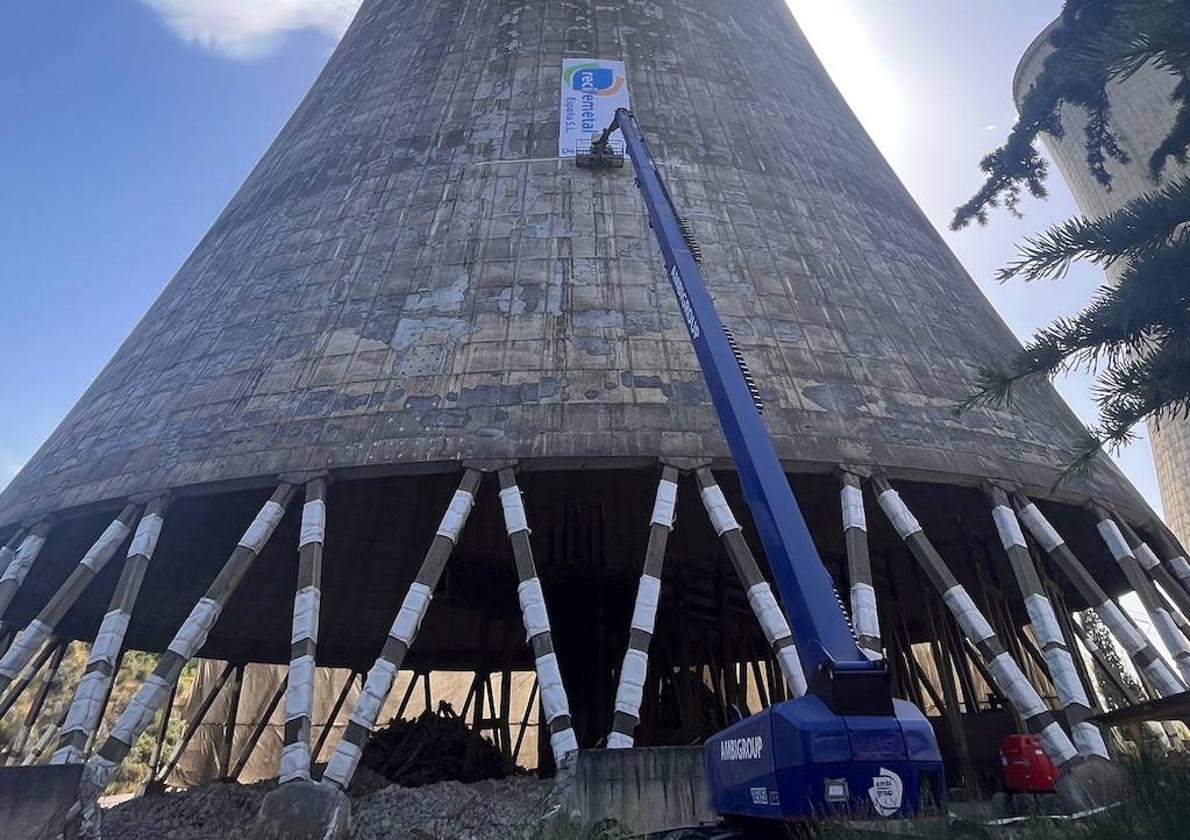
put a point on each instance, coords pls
(594, 79)
(887, 791)
(592, 90)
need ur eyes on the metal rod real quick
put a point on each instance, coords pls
(34, 712)
(44, 741)
(194, 724)
(30, 674)
(261, 725)
(329, 726)
(227, 742)
(516, 750)
(408, 694)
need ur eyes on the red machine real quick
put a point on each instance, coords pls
(1026, 767)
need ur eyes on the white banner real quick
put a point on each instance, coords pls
(592, 90)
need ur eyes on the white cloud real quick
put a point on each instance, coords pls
(249, 28)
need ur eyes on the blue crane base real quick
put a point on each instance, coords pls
(799, 761)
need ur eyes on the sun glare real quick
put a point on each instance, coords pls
(846, 48)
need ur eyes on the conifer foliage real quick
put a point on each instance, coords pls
(1136, 332)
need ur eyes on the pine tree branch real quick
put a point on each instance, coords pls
(1096, 44)
(1142, 226)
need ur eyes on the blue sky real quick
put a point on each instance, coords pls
(128, 124)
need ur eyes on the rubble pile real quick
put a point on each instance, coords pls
(210, 812)
(507, 809)
(436, 747)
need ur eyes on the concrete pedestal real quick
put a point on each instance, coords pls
(40, 803)
(645, 790)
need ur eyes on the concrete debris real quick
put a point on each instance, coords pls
(504, 809)
(211, 812)
(436, 747)
(507, 809)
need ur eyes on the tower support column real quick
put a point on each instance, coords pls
(22, 560)
(299, 692)
(191, 636)
(864, 617)
(1171, 587)
(1060, 664)
(1172, 552)
(9, 550)
(31, 639)
(760, 595)
(350, 749)
(630, 691)
(1163, 620)
(86, 707)
(554, 702)
(1140, 650)
(1005, 672)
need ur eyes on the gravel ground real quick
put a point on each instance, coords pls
(507, 809)
(206, 813)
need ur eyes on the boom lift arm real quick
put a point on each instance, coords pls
(847, 747)
(825, 642)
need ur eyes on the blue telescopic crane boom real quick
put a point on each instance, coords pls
(846, 747)
(824, 639)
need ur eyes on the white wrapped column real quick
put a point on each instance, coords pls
(102, 766)
(554, 702)
(634, 670)
(1057, 655)
(90, 696)
(865, 621)
(379, 683)
(30, 640)
(1162, 617)
(760, 595)
(22, 560)
(1140, 650)
(1008, 676)
(303, 642)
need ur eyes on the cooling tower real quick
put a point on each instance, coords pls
(1142, 115)
(413, 289)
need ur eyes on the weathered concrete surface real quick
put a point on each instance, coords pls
(645, 789)
(40, 803)
(408, 275)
